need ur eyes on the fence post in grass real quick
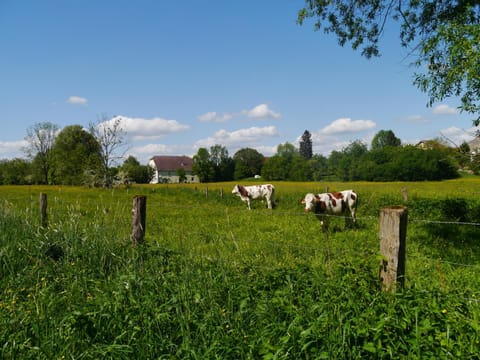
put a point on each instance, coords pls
(139, 215)
(43, 210)
(393, 233)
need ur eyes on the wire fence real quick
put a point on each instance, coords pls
(118, 215)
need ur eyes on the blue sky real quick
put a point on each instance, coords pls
(195, 73)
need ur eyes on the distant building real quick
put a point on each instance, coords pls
(166, 169)
(474, 146)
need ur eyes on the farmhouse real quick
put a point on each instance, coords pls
(474, 146)
(168, 169)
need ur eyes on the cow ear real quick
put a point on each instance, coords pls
(302, 201)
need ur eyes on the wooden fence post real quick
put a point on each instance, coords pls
(43, 210)
(139, 215)
(393, 233)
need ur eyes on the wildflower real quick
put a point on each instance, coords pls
(444, 311)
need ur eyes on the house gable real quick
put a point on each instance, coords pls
(166, 169)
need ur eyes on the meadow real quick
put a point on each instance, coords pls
(214, 280)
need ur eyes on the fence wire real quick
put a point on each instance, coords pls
(121, 214)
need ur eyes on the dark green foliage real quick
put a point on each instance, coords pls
(74, 154)
(15, 172)
(384, 138)
(248, 163)
(135, 172)
(306, 145)
(213, 165)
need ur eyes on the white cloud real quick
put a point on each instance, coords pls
(140, 129)
(444, 109)
(12, 149)
(261, 111)
(457, 135)
(242, 137)
(77, 100)
(213, 116)
(346, 125)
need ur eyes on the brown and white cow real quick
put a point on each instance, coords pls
(247, 193)
(332, 204)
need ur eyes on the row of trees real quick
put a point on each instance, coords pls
(386, 160)
(74, 156)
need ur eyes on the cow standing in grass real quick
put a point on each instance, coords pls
(335, 203)
(247, 193)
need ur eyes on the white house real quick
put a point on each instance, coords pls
(167, 169)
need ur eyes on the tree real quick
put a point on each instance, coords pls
(111, 137)
(248, 163)
(287, 150)
(203, 166)
(318, 164)
(344, 164)
(280, 166)
(75, 153)
(276, 168)
(40, 138)
(443, 35)
(384, 138)
(223, 165)
(134, 171)
(306, 145)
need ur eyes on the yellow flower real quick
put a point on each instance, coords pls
(444, 311)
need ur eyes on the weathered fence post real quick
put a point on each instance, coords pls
(139, 215)
(405, 194)
(393, 233)
(43, 210)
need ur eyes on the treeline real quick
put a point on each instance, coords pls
(26, 172)
(74, 156)
(78, 156)
(386, 160)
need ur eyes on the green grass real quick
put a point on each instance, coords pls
(216, 281)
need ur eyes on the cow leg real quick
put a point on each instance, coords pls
(323, 221)
(248, 204)
(269, 203)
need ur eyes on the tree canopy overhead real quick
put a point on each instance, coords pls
(443, 36)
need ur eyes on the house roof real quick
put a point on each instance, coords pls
(172, 163)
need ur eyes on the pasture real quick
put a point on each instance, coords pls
(214, 280)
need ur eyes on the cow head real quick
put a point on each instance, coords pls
(235, 190)
(239, 190)
(310, 201)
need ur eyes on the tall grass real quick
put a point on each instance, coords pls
(216, 281)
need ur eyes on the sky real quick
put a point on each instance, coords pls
(188, 74)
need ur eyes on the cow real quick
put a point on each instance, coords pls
(247, 193)
(332, 204)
